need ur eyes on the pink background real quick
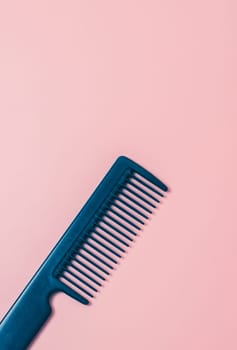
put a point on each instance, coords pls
(82, 82)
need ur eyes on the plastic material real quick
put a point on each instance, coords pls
(87, 252)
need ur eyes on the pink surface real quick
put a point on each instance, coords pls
(83, 82)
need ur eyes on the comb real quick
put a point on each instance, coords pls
(88, 251)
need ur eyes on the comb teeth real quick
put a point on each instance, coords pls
(115, 226)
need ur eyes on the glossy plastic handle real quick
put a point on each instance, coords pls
(26, 317)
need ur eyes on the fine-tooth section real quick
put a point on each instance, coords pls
(106, 248)
(125, 211)
(110, 233)
(119, 223)
(95, 256)
(79, 270)
(153, 186)
(146, 193)
(114, 226)
(126, 202)
(136, 194)
(137, 223)
(80, 260)
(73, 281)
(106, 245)
(70, 271)
(103, 237)
(122, 217)
(92, 262)
(146, 187)
(130, 196)
(101, 252)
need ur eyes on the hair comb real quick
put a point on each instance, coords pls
(88, 251)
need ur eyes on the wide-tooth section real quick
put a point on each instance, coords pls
(120, 218)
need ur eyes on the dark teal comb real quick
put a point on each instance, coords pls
(88, 251)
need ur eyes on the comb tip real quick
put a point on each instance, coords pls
(158, 182)
(123, 158)
(165, 188)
